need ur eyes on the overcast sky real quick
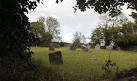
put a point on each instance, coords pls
(70, 22)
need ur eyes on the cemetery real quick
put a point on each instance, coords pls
(80, 65)
(68, 40)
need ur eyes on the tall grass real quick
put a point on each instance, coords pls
(76, 64)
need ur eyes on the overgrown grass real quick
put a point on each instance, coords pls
(76, 64)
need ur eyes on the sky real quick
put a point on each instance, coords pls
(70, 22)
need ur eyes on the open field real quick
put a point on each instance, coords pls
(76, 64)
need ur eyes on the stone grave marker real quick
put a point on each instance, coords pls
(56, 58)
(84, 48)
(118, 48)
(97, 47)
(109, 48)
(73, 46)
(52, 47)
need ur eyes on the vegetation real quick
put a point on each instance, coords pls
(103, 6)
(15, 40)
(44, 34)
(77, 66)
(79, 38)
(117, 30)
(15, 37)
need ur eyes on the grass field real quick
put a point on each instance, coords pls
(76, 64)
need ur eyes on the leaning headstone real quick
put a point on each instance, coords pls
(84, 48)
(88, 46)
(109, 48)
(73, 46)
(55, 58)
(97, 47)
(52, 47)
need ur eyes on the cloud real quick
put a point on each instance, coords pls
(83, 22)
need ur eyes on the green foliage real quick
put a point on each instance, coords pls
(38, 28)
(126, 73)
(79, 38)
(103, 6)
(117, 30)
(52, 26)
(45, 33)
(15, 40)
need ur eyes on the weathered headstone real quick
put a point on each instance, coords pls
(88, 46)
(55, 58)
(52, 47)
(118, 48)
(84, 48)
(109, 48)
(73, 46)
(97, 47)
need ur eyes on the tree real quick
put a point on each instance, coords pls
(134, 15)
(77, 37)
(15, 40)
(97, 34)
(103, 6)
(52, 26)
(15, 37)
(38, 28)
(108, 29)
(83, 39)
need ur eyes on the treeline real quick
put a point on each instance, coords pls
(116, 30)
(45, 30)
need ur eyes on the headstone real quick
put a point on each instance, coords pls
(88, 46)
(84, 48)
(52, 47)
(55, 58)
(92, 58)
(73, 46)
(97, 47)
(118, 48)
(109, 48)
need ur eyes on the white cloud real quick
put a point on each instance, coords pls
(70, 22)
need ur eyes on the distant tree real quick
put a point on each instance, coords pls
(96, 35)
(77, 37)
(38, 28)
(108, 29)
(52, 26)
(83, 39)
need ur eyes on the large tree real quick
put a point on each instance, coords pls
(38, 28)
(15, 38)
(53, 27)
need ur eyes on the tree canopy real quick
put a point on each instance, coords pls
(118, 30)
(103, 6)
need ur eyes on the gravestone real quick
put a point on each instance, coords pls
(97, 47)
(56, 58)
(52, 47)
(118, 48)
(92, 58)
(84, 48)
(109, 48)
(73, 46)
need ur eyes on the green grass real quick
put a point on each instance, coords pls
(76, 64)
